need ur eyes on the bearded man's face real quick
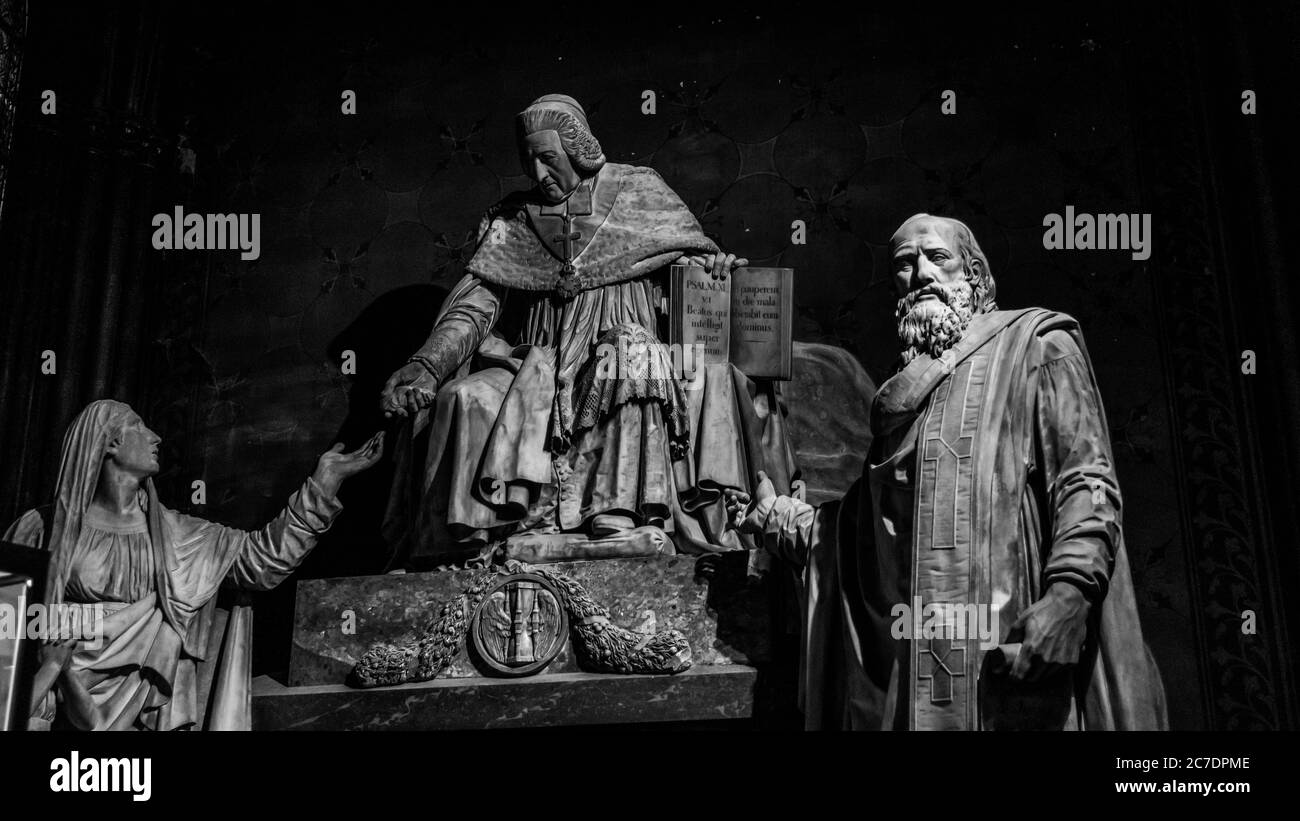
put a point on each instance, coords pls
(936, 300)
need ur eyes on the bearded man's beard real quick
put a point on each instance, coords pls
(935, 325)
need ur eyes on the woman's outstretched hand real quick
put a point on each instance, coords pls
(334, 465)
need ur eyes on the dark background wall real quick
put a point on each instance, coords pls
(367, 219)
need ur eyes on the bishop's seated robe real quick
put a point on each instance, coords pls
(524, 433)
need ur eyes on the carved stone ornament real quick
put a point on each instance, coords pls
(520, 625)
(517, 629)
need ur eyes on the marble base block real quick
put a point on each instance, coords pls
(724, 613)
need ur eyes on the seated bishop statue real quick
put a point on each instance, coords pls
(513, 440)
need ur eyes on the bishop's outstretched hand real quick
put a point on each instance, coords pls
(410, 389)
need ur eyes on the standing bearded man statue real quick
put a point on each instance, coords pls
(516, 433)
(989, 486)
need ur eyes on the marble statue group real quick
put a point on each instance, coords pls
(989, 483)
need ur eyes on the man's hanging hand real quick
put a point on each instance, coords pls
(1054, 628)
(741, 506)
(57, 653)
(719, 266)
(54, 659)
(334, 465)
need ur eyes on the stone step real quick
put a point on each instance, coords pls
(707, 693)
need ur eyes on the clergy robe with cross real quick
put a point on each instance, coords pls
(990, 477)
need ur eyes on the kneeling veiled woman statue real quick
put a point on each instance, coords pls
(167, 657)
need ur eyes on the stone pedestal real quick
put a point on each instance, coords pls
(726, 615)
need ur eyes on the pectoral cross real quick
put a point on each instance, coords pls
(567, 285)
(578, 204)
(567, 238)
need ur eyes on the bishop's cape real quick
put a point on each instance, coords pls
(989, 478)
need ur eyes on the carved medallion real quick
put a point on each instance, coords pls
(520, 625)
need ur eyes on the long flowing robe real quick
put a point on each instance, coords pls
(169, 658)
(523, 435)
(990, 478)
